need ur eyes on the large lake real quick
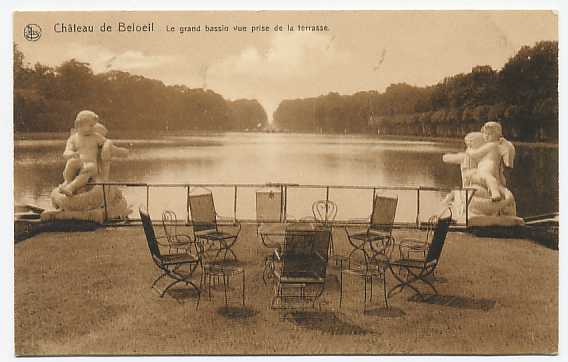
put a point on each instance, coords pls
(289, 158)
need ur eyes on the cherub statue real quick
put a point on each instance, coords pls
(483, 151)
(88, 153)
(492, 157)
(482, 166)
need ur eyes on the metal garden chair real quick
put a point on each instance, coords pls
(377, 237)
(369, 268)
(176, 241)
(270, 225)
(206, 226)
(300, 268)
(324, 212)
(215, 270)
(410, 271)
(269, 217)
(179, 267)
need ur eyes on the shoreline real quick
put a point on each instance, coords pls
(28, 136)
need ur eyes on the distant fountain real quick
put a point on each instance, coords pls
(483, 166)
(89, 155)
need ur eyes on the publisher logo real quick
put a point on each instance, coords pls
(32, 32)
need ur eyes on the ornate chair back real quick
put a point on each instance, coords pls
(324, 211)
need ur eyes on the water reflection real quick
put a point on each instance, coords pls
(292, 158)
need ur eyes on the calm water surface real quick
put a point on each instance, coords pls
(290, 158)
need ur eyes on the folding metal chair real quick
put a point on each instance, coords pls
(410, 271)
(300, 272)
(377, 237)
(170, 265)
(206, 228)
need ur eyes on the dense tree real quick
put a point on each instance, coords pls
(523, 96)
(247, 114)
(47, 99)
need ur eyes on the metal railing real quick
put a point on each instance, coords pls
(284, 189)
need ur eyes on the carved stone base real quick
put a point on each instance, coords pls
(484, 221)
(88, 206)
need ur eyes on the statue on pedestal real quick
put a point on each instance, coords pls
(89, 154)
(483, 165)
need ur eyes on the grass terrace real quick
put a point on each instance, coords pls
(88, 293)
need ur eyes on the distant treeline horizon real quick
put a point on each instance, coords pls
(522, 96)
(47, 99)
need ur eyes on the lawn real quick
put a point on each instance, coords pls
(88, 293)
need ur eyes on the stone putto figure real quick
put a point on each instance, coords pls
(89, 154)
(483, 165)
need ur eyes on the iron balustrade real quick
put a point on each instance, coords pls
(284, 188)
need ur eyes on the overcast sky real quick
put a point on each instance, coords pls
(361, 51)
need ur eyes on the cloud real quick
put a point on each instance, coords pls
(103, 59)
(292, 65)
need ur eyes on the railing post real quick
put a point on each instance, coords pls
(148, 200)
(418, 207)
(105, 203)
(326, 203)
(235, 205)
(282, 212)
(466, 208)
(285, 201)
(187, 206)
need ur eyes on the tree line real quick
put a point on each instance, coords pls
(46, 99)
(522, 96)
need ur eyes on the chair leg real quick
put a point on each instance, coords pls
(364, 293)
(209, 285)
(244, 287)
(385, 290)
(225, 282)
(341, 284)
(371, 298)
(158, 279)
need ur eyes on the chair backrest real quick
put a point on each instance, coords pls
(169, 223)
(438, 238)
(384, 212)
(203, 215)
(306, 251)
(268, 206)
(150, 235)
(324, 211)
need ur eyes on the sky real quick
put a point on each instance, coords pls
(365, 50)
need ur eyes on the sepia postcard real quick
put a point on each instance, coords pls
(243, 183)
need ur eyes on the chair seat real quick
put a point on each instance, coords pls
(300, 278)
(408, 263)
(370, 236)
(272, 229)
(362, 270)
(171, 259)
(223, 270)
(179, 244)
(413, 244)
(215, 235)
